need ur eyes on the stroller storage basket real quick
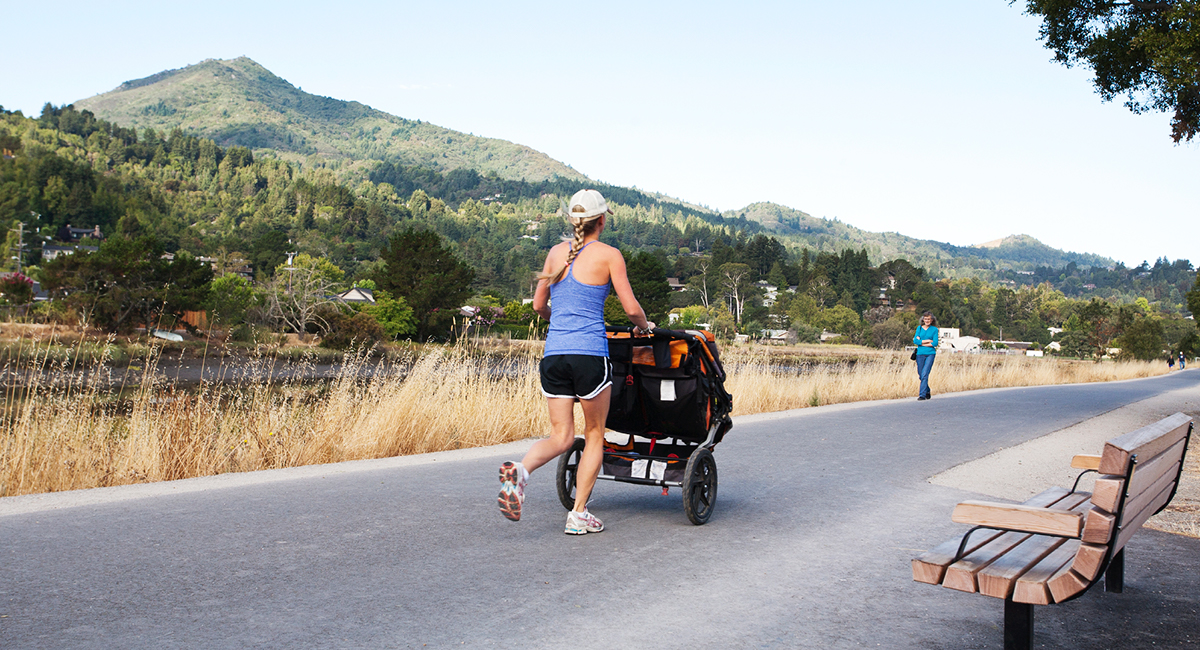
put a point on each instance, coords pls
(670, 384)
(649, 461)
(669, 399)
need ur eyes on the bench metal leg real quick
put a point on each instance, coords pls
(1114, 577)
(1018, 625)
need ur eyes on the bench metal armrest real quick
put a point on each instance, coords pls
(1025, 519)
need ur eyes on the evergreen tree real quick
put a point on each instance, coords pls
(648, 279)
(423, 271)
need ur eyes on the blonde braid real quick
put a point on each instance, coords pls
(577, 242)
(581, 228)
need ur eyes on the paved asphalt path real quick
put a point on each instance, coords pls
(819, 512)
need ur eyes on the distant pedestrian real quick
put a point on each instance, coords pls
(1182, 360)
(1170, 361)
(926, 340)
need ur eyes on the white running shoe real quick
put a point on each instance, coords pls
(512, 490)
(581, 523)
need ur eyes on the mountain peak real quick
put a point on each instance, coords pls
(1008, 241)
(239, 102)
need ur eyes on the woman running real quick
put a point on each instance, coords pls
(575, 367)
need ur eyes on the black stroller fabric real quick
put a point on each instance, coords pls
(667, 385)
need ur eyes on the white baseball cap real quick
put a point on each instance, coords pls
(586, 204)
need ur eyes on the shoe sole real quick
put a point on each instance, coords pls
(582, 530)
(510, 503)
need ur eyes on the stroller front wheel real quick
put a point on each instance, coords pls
(700, 486)
(568, 465)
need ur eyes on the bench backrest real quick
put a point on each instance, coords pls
(1139, 474)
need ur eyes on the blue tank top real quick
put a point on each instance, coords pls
(577, 316)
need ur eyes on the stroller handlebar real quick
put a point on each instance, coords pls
(658, 331)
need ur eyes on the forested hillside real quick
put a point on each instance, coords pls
(151, 193)
(986, 261)
(69, 167)
(238, 102)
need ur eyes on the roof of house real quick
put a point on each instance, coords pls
(357, 294)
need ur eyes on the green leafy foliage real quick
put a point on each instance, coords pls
(393, 315)
(354, 329)
(423, 271)
(1193, 298)
(251, 208)
(238, 102)
(129, 282)
(15, 289)
(229, 300)
(1146, 51)
(892, 333)
(648, 279)
(1142, 339)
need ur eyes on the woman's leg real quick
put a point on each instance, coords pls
(924, 364)
(562, 434)
(595, 413)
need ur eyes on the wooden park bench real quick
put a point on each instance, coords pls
(1055, 546)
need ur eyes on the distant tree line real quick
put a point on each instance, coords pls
(429, 242)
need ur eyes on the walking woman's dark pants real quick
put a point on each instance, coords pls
(924, 364)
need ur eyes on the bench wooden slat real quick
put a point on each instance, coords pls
(1146, 442)
(1099, 526)
(999, 578)
(1137, 503)
(961, 575)
(1127, 530)
(1148, 470)
(1066, 583)
(1089, 560)
(1031, 587)
(1106, 493)
(930, 566)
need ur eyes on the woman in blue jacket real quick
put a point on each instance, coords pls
(926, 340)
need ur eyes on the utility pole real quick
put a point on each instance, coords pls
(290, 269)
(20, 244)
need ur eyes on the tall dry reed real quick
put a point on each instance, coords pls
(760, 386)
(69, 436)
(62, 431)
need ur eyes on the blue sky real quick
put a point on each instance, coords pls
(942, 119)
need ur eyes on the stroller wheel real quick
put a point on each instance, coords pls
(700, 486)
(568, 463)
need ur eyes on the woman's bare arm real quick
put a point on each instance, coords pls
(541, 295)
(620, 282)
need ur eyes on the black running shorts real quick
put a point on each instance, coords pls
(572, 376)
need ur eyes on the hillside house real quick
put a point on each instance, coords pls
(51, 251)
(770, 292)
(68, 234)
(357, 295)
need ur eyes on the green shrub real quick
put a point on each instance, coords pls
(393, 315)
(347, 330)
(15, 289)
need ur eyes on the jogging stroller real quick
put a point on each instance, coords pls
(669, 409)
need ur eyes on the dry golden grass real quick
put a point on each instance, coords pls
(760, 386)
(63, 434)
(62, 437)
